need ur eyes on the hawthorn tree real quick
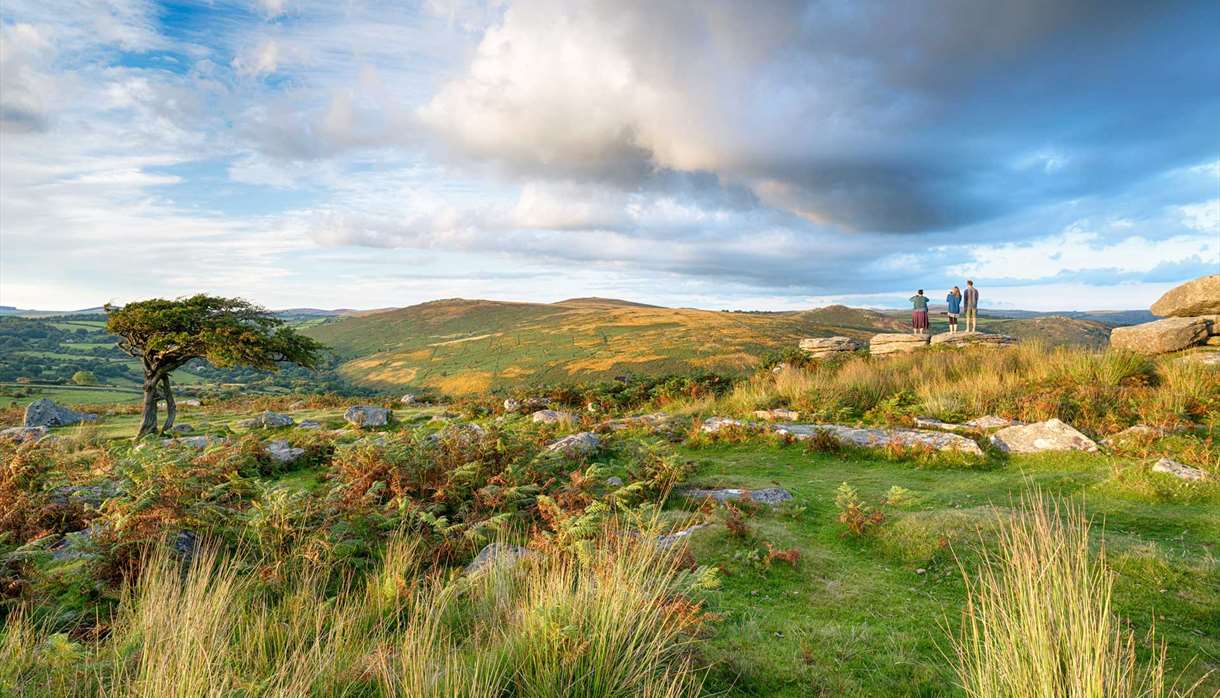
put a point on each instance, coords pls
(166, 334)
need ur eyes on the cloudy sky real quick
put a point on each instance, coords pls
(705, 153)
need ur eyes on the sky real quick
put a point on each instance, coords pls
(713, 154)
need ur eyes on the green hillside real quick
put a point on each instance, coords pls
(468, 346)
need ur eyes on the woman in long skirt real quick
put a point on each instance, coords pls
(919, 313)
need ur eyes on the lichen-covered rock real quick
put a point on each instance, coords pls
(45, 413)
(1161, 336)
(824, 347)
(193, 441)
(495, 554)
(367, 416)
(90, 496)
(670, 539)
(882, 344)
(584, 443)
(990, 421)
(1136, 433)
(953, 339)
(1207, 358)
(614, 481)
(880, 438)
(408, 399)
(552, 417)
(777, 414)
(1193, 298)
(1179, 470)
(512, 405)
(654, 420)
(711, 425)
(769, 496)
(267, 420)
(931, 423)
(23, 434)
(1051, 435)
(309, 424)
(283, 452)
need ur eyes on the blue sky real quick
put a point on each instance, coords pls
(1066, 155)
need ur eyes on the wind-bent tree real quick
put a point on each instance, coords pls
(165, 335)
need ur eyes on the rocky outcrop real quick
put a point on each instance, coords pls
(1161, 336)
(23, 434)
(880, 438)
(882, 344)
(955, 339)
(408, 399)
(552, 417)
(990, 421)
(45, 413)
(1051, 435)
(496, 554)
(283, 452)
(769, 496)
(711, 425)
(267, 420)
(1192, 299)
(367, 416)
(584, 443)
(826, 347)
(1207, 358)
(1179, 470)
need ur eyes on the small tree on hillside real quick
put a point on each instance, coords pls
(165, 335)
(84, 378)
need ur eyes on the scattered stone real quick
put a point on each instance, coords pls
(930, 423)
(267, 420)
(497, 554)
(186, 544)
(407, 399)
(190, 402)
(1193, 298)
(192, 441)
(1051, 435)
(882, 344)
(1161, 336)
(24, 434)
(614, 481)
(990, 421)
(880, 438)
(644, 421)
(464, 433)
(670, 539)
(826, 347)
(367, 416)
(780, 367)
(90, 496)
(283, 452)
(511, 405)
(593, 408)
(769, 496)
(552, 417)
(711, 425)
(181, 429)
(1179, 470)
(1139, 431)
(45, 413)
(954, 339)
(778, 413)
(77, 545)
(309, 424)
(584, 443)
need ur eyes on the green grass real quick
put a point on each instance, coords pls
(858, 618)
(71, 395)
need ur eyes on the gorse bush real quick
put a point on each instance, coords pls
(547, 626)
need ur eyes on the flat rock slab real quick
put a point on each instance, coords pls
(23, 434)
(1139, 431)
(670, 539)
(552, 417)
(46, 413)
(582, 444)
(880, 438)
(882, 344)
(777, 414)
(822, 347)
(644, 421)
(930, 423)
(954, 339)
(711, 425)
(767, 495)
(367, 416)
(990, 421)
(1039, 437)
(1179, 470)
(309, 424)
(1161, 336)
(1206, 358)
(267, 420)
(192, 441)
(283, 452)
(1193, 298)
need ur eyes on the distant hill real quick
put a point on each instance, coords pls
(467, 346)
(1112, 318)
(1054, 330)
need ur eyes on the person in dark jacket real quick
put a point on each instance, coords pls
(954, 301)
(919, 313)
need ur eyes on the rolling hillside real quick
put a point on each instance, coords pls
(467, 346)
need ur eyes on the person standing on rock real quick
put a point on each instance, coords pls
(919, 313)
(954, 301)
(970, 301)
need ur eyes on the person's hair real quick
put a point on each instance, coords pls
(969, 282)
(919, 292)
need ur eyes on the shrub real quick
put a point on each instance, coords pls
(858, 516)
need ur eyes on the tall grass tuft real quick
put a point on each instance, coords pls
(1038, 620)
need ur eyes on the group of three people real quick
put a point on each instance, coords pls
(959, 303)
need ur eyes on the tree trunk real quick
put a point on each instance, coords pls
(171, 409)
(149, 423)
